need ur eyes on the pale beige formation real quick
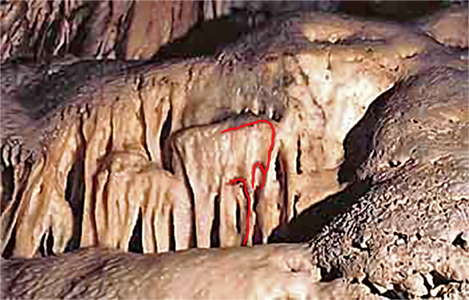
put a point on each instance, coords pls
(220, 158)
(127, 183)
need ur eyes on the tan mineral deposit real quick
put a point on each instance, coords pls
(335, 145)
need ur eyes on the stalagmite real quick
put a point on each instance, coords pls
(43, 209)
(127, 184)
(218, 160)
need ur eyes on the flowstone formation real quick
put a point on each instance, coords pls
(131, 156)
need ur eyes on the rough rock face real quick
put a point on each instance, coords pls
(111, 154)
(41, 30)
(448, 27)
(101, 29)
(268, 272)
(409, 233)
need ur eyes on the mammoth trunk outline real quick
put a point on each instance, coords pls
(259, 165)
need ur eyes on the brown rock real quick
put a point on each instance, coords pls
(408, 227)
(262, 272)
(449, 27)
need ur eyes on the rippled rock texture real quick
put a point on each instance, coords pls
(132, 156)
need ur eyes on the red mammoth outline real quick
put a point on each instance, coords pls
(262, 168)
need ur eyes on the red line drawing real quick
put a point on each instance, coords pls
(262, 168)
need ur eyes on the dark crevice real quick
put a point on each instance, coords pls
(282, 180)
(394, 294)
(298, 158)
(86, 11)
(460, 242)
(371, 286)
(172, 238)
(312, 220)
(47, 243)
(215, 230)
(166, 154)
(329, 275)
(296, 199)
(135, 242)
(74, 195)
(42, 249)
(257, 232)
(8, 252)
(278, 169)
(428, 285)
(238, 218)
(193, 236)
(394, 163)
(402, 236)
(8, 184)
(10, 246)
(359, 246)
(439, 279)
(277, 116)
(204, 38)
(401, 11)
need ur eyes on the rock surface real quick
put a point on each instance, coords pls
(104, 29)
(408, 233)
(44, 30)
(262, 272)
(449, 27)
